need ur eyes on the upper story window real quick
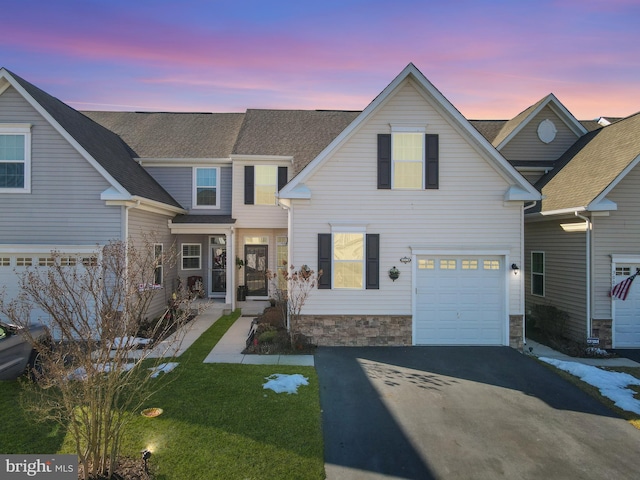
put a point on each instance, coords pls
(262, 182)
(408, 160)
(15, 158)
(266, 184)
(206, 187)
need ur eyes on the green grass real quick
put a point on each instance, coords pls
(218, 422)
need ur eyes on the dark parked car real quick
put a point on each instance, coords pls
(16, 351)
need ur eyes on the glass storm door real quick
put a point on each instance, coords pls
(256, 270)
(218, 266)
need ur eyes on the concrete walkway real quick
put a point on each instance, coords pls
(229, 348)
(538, 350)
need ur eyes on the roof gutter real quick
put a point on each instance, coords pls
(588, 226)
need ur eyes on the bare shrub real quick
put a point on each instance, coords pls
(88, 382)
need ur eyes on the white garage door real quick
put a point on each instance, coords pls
(460, 300)
(627, 312)
(13, 264)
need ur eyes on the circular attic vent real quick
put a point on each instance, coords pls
(547, 131)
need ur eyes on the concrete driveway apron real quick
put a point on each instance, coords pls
(463, 412)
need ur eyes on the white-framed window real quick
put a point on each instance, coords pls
(348, 260)
(491, 264)
(158, 273)
(5, 261)
(15, 158)
(191, 256)
(282, 259)
(537, 273)
(266, 184)
(206, 187)
(407, 157)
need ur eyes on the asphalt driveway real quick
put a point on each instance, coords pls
(463, 412)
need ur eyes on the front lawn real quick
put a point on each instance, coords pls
(218, 422)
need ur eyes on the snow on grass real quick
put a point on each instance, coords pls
(612, 385)
(280, 383)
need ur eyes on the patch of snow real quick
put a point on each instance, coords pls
(129, 342)
(611, 384)
(280, 383)
(80, 373)
(163, 368)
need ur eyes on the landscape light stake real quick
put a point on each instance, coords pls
(146, 455)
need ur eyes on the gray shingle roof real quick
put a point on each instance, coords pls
(302, 134)
(591, 165)
(103, 145)
(174, 135)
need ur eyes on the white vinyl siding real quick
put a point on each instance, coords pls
(467, 211)
(255, 216)
(61, 181)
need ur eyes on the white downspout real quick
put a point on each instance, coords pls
(522, 272)
(588, 268)
(231, 265)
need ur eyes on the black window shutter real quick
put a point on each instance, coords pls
(373, 261)
(431, 161)
(324, 260)
(248, 184)
(384, 160)
(282, 177)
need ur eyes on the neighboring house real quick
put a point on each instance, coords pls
(410, 184)
(584, 236)
(68, 184)
(407, 183)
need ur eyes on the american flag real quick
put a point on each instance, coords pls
(621, 290)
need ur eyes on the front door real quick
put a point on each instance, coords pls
(256, 270)
(218, 284)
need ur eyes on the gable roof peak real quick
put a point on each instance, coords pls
(512, 127)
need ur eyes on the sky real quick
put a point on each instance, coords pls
(490, 58)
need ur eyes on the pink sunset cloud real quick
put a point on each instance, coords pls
(490, 58)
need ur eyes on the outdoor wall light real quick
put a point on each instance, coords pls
(515, 268)
(405, 259)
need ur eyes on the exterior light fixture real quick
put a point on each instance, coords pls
(515, 268)
(405, 259)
